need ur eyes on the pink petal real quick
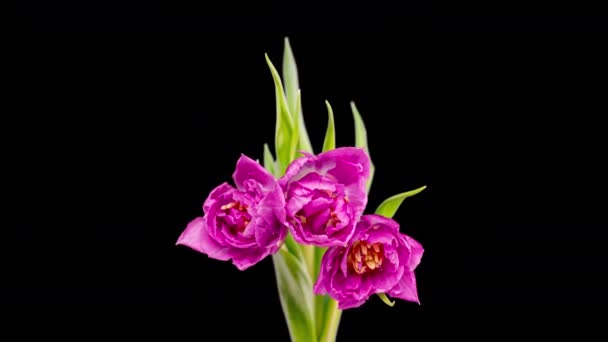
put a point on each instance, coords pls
(215, 193)
(349, 304)
(406, 288)
(416, 252)
(245, 258)
(368, 221)
(292, 170)
(269, 231)
(247, 168)
(196, 237)
(353, 155)
(328, 264)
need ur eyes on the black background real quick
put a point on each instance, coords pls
(123, 117)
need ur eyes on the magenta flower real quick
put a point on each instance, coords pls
(325, 195)
(378, 259)
(244, 224)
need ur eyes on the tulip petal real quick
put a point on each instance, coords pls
(247, 168)
(292, 170)
(215, 193)
(196, 237)
(245, 258)
(406, 288)
(352, 155)
(416, 252)
(348, 304)
(268, 230)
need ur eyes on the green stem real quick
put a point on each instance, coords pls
(320, 301)
(320, 304)
(332, 321)
(318, 257)
(308, 252)
(293, 283)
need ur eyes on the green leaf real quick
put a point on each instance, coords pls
(389, 207)
(269, 163)
(296, 135)
(285, 130)
(295, 292)
(330, 135)
(290, 79)
(386, 300)
(361, 140)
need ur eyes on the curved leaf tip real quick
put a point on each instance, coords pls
(389, 207)
(385, 299)
(329, 143)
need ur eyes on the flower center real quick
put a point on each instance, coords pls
(365, 257)
(238, 211)
(333, 219)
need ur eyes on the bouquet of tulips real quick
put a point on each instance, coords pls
(306, 210)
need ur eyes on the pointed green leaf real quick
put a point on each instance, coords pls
(361, 140)
(285, 128)
(296, 135)
(360, 131)
(290, 79)
(330, 135)
(385, 299)
(389, 207)
(295, 293)
(269, 163)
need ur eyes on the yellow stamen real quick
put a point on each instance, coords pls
(364, 256)
(376, 247)
(228, 206)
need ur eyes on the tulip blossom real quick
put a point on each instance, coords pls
(379, 259)
(326, 195)
(246, 223)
